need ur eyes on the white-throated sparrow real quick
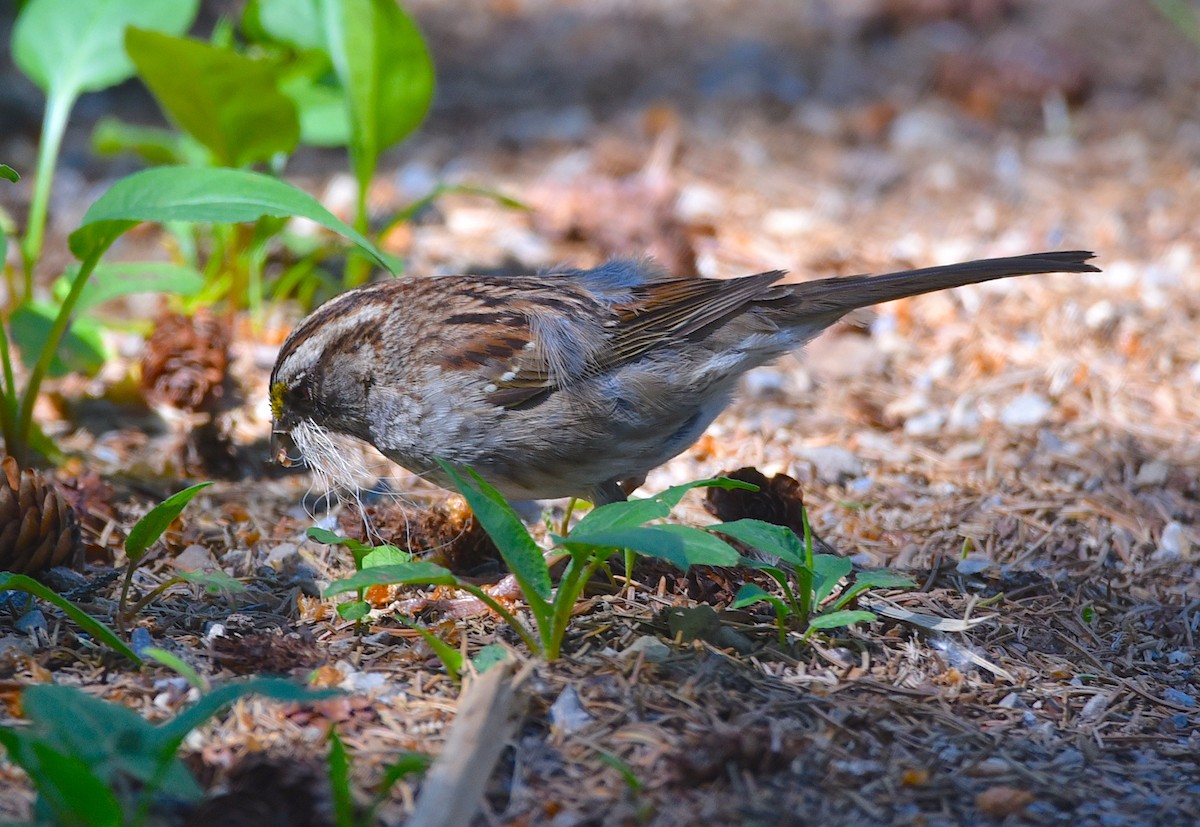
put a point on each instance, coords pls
(565, 384)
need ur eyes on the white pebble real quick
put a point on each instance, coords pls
(1026, 409)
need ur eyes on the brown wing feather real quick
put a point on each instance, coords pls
(503, 345)
(677, 308)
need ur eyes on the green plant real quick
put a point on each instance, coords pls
(185, 194)
(338, 763)
(352, 73)
(816, 576)
(23, 583)
(98, 764)
(588, 546)
(144, 534)
(68, 49)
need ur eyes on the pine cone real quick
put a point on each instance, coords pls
(38, 529)
(185, 361)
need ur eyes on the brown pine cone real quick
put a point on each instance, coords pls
(185, 361)
(38, 529)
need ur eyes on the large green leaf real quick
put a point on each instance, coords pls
(81, 349)
(520, 551)
(148, 529)
(681, 545)
(115, 742)
(640, 511)
(226, 101)
(169, 735)
(9, 174)
(775, 540)
(68, 46)
(384, 66)
(68, 790)
(202, 194)
(112, 281)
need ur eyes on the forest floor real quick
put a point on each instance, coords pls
(1045, 428)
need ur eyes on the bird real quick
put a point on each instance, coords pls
(574, 383)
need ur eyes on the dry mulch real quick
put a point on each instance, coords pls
(1046, 428)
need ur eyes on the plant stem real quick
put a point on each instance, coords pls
(50, 347)
(8, 400)
(508, 617)
(54, 124)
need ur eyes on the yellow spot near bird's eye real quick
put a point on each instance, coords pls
(277, 400)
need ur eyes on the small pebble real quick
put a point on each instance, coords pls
(1179, 698)
(1026, 409)
(567, 714)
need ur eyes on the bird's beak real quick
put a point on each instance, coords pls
(283, 449)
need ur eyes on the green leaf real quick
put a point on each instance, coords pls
(113, 741)
(450, 657)
(213, 582)
(153, 144)
(414, 573)
(641, 511)
(489, 656)
(295, 22)
(751, 593)
(81, 349)
(177, 665)
(834, 620)
(519, 550)
(385, 556)
(877, 579)
(9, 174)
(85, 621)
(324, 120)
(113, 281)
(683, 546)
(170, 735)
(338, 766)
(384, 65)
(202, 194)
(69, 789)
(67, 47)
(329, 538)
(778, 541)
(884, 579)
(148, 529)
(354, 610)
(409, 762)
(226, 101)
(828, 570)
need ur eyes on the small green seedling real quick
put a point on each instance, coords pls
(100, 632)
(144, 534)
(338, 764)
(816, 576)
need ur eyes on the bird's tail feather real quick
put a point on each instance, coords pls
(840, 295)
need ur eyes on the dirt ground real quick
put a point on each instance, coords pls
(1046, 427)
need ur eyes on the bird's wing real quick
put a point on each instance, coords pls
(539, 338)
(673, 309)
